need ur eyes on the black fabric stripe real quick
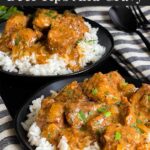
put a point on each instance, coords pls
(4, 113)
(125, 50)
(134, 42)
(6, 126)
(144, 68)
(118, 33)
(132, 59)
(8, 141)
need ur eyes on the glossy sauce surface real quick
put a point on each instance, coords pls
(50, 33)
(103, 109)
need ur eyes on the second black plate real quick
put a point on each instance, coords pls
(56, 86)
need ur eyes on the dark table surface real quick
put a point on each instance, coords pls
(16, 91)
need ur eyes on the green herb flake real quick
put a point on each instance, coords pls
(49, 135)
(69, 92)
(138, 130)
(114, 97)
(17, 40)
(94, 91)
(10, 11)
(138, 121)
(124, 84)
(3, 10)
(149, 98)
(90, 113)
(110, 75)
(133, 125)
(102, 109)
(90, 41)
(107, 114)
(51, 14)
(78, 41)
(81, 116)
(117, 136)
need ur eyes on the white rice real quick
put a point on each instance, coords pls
(34, 132)
(56, 65)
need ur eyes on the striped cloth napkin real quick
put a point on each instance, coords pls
(129, 52)
(8, 139)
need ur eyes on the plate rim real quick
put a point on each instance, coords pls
(17, 124)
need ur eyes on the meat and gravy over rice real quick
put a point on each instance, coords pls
(102, 112)
(48, 43)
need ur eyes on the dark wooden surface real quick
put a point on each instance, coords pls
(16, 91)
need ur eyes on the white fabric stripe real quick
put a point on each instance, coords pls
(2, 107)
(7, 133)
(92, 8)
(5, 119)
(148, 16)
(99, 17)
(145, 8)
(140, 63)
(122, 45)
(13, 147)
(129, 37)
(115, 31)
(146, 72)
(134, 54)
(106, 25)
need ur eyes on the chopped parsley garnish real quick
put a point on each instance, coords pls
(78, 41)
(90, 41)
(17, 40)
(110, 75)
(117, 136)
(81, 116)
(138, 121)
(6, 12)
(105, 111)
(3, 10)
(90, 113)
(69, 92)
(94, 91)
(149, 98)
(102, 109)
(51, 14)
(107, 114)
(124, 84)
(49, 135)
(134, 125)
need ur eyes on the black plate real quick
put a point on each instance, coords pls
(104, 38)
(56, 86)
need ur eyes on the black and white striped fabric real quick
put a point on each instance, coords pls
(8, 139)
(129, 51)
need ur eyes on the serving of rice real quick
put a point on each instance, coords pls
(56, 65)
(34, 132)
